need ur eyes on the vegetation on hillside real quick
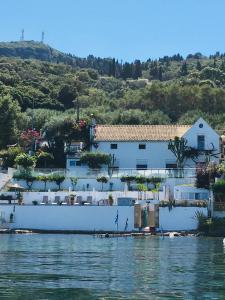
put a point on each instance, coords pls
(41, 86)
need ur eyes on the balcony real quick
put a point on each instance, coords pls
(85, 172)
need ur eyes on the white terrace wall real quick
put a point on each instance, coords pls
(90, 184)
(94, 218)
(179, 218)
(28, 197)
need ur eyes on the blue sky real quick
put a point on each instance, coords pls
(125, 29)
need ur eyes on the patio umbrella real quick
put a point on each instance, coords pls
(16, 188)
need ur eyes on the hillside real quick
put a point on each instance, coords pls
(167, 90)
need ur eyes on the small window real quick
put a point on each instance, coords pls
(72, 163)
(113, 146)
(200, 125)
(201, 142)
(171, 166)
(142, 146)
(141, 167)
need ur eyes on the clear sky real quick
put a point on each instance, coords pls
(125, 29)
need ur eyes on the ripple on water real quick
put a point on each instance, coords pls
(83, 267)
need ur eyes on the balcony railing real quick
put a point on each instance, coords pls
(117, 173)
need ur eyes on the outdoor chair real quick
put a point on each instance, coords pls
(79, 200)
(66, 200)
(56, 201)
(88, 201)
(44, 200)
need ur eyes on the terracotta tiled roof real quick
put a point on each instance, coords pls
(139, 132)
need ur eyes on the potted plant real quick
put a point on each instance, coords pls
(110, 199)
(72, 199)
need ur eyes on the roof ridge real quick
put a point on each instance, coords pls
(142, 125)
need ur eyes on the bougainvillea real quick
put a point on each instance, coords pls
(29, 138)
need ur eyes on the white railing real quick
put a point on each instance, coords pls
(39, 171)
(117, 173)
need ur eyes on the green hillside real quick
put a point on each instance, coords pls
(167, 90)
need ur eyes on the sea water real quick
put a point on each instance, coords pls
(44, 266)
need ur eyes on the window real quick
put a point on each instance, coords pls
(201, 142)
(72, 163)
(142, 146)
(141, 167)
(171, 166)
(78, 163)
(113, 146)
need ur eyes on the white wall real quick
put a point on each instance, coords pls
(128, 153)
(157, 153)
(211, 137)
(98, 218)
(28, 197)
(184, 192)
(179, 218)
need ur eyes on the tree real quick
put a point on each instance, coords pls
(128, 179)
(26, 161)
(103, 180)
(9, 114)
(181, 151)
(45, 179)
(44, 158)
(8, 156)
(73, 181)
(29, 139)
(67, 95)
(95, 160)
(184, 69)
(58, 178)
(137, 69)
(198, 66)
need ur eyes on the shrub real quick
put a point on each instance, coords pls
(44, 158)
(8, 156)
(110, 199)
(219, 190)
(26, 161)
(141, 187)
(202, 179)
(103, 180)
(95, 160)
(127, 178)
(57, 178)
(45, 179)
(73, 181)
(25, 175)
(140, 179)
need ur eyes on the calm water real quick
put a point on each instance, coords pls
(84, 267)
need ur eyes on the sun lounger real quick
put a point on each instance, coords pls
(79, 200)
(89, 200)
(66, 200)
(44, 200)
(56, 201)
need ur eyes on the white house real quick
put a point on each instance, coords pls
(146, 146)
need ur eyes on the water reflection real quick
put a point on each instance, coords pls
(83, 267)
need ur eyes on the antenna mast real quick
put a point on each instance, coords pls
(22, 35)
(42, 37)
